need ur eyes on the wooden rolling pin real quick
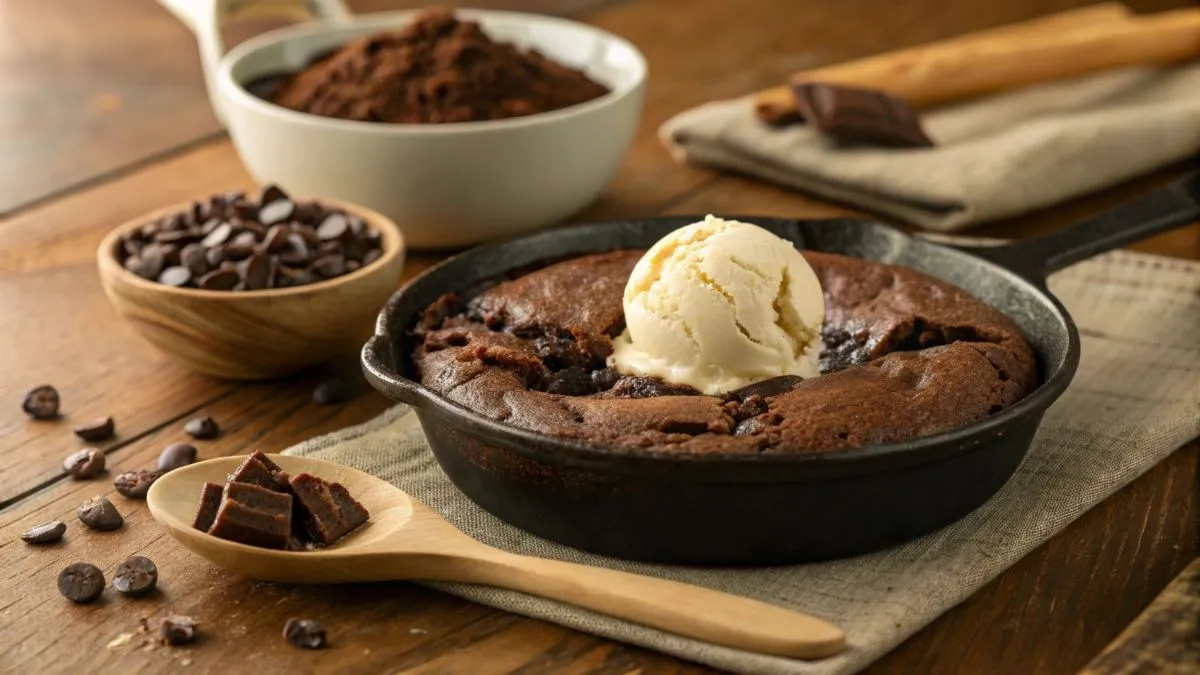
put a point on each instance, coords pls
(1009, 57)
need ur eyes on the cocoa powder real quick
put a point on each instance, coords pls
(436, 70)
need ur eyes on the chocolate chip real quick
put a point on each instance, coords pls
(605, 378)
(278, 211)
(330, 266)
(214, 256)
(195, 258)
(276, 238)
(176, 455)
(334, 227)
(772, 386)
(202, 427)
(81, 582)
(573, 381)
(97, 430)
(132, 247)
(41, 403)
(239, 250)
(308, 234)
(272, 193)
(371, 256)
(305, 633)
(84, 464)
(99, 514)
(177, 630)
(175, 276)
(150, 262)
(46, 533)
(135, 577)
(135, 484)
(259, 272)
(245, 209)
(295, 250)
(253, 228)
(332, 391)
(219, 280)
(352, 266)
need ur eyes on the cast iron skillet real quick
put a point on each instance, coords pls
(761, 509)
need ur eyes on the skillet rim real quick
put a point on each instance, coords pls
(384, 378)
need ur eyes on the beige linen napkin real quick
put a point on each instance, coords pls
(1136, 398)
(997, 157)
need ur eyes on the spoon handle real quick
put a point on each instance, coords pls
(689, 611)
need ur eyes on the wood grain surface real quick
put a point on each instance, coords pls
(158, 148)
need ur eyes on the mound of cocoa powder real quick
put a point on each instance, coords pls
(438, 69)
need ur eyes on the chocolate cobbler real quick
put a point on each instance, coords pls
(905, 356)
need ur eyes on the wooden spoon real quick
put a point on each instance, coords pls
(406, 540)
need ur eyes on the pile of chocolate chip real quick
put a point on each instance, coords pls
(234, 243)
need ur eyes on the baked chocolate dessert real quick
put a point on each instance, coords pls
(905, 356)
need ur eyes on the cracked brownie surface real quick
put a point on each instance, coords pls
(905, 356)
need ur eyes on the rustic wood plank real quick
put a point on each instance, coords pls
(93, 87)
(1061, 604)
(1164, 639)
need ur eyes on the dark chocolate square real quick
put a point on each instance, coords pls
(860, 116)
(258, 469)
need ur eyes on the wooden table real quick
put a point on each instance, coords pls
(104, 118)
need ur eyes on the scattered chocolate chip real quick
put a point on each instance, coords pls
(135, 484)
(305, 633)
(41, 403)
(97, 430)
(202, 427)
(176, 455)
(46, 533)
(84, 464)
(135, 577)
(331, 392)
(99, 514)
(177, 630)
(81, 582)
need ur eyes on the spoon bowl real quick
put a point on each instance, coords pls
(404, 539)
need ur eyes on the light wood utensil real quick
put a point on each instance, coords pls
(406, 540)
(255, 335)
(1068, 44)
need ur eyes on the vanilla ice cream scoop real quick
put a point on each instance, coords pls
(719, 304)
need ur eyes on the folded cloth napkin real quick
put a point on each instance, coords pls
(996, 157)
(1136, 398)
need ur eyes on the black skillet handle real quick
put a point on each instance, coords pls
(1172, 206)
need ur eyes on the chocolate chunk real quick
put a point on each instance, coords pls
(136, 577)
(97, 430)
(253, 515)
(258, 469)
(210, 501)
(305, 633)
(99, 514)
(46, 533)
(175, 276)
(572, 381)
(135, 484)
(647, 387)
(176, 455)
(219, 280)
(202, 427)
(41, 403)
(81, 582)
(326, 510)
(772, 386)
(860, 116)
(84, 464)
(177, 630)
(604, 378)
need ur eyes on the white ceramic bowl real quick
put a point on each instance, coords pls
(445, 185)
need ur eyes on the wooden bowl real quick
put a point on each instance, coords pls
(253, 335)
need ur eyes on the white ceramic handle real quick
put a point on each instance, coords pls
(205, 18)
